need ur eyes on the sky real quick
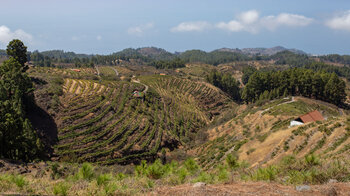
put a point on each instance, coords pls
(107, 26)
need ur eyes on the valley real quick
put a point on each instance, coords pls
(136, 121)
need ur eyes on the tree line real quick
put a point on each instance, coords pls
(336, 58)
(296, 81)
(226, 83)
(268, 85)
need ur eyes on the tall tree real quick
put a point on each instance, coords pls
(18, 51)
(18, 140)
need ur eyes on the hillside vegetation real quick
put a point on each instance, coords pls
(261, 135)
(103, 122)
(141, 119)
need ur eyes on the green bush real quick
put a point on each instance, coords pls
(232, 162)
(103, 179)
(86, 171)
(110, 189)
(182, 174)
(222, 174)
(204, 177)
(191, 165)
(141, 169)
(155, 170)
(295, 177)
(120, 176)
(263, 137)
(56, 172)
(288, 161)
(19, 181)
(61, 188)
(312, 160)
(265, 174)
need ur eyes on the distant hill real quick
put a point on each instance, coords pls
(154, 52)
(62, 54)
(260, 51)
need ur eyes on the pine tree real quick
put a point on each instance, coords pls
(18, 140)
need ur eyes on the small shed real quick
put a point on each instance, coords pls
(137, 93)
(76, 70)
(309, 117)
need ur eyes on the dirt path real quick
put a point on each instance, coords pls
(254, 188)
(138, 81)
(291, 101)
(98, 71)
(116, 72)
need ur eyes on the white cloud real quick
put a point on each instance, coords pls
(285, 19)
(191, 26)
(248, 21)
(249, 17)
(233, 26)
(6, 35)
(99, 37)
(251, 22)
(141, 29)
(340, 22)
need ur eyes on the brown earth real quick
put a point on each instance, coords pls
(254, 188)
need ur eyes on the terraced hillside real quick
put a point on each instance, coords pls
(261, 135)
(102, 121)
(189, 97)
(64, 72)
(105, 122)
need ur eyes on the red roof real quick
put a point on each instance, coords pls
(312, 117)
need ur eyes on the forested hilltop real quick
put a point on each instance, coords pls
(152, 55)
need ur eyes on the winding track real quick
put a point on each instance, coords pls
(98, 71)
(137, 81)
(132, 80)
(116, 72)
(293, 100)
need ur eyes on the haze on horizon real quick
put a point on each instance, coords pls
(106, 26)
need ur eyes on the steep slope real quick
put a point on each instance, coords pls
(199, 98)
(104, 121)
(261, 135)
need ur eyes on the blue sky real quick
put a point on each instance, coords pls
(106, 26)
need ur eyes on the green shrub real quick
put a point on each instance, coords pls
(110, 189)
(232, 162)
(56, 172)
(312, 160)
(19, 181)
(103, 179)
(182, 174)
(191, 165)
(295, 177)
(120, 176)
(263, 137)
(265, 174)
(204, 177)
(240, 144)
(155, 170)
(149, 184)
(257, 129)
(86, 171)
(222, 173)
(141, 169)
(250, 150)
(61, 188)
(287, 161)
